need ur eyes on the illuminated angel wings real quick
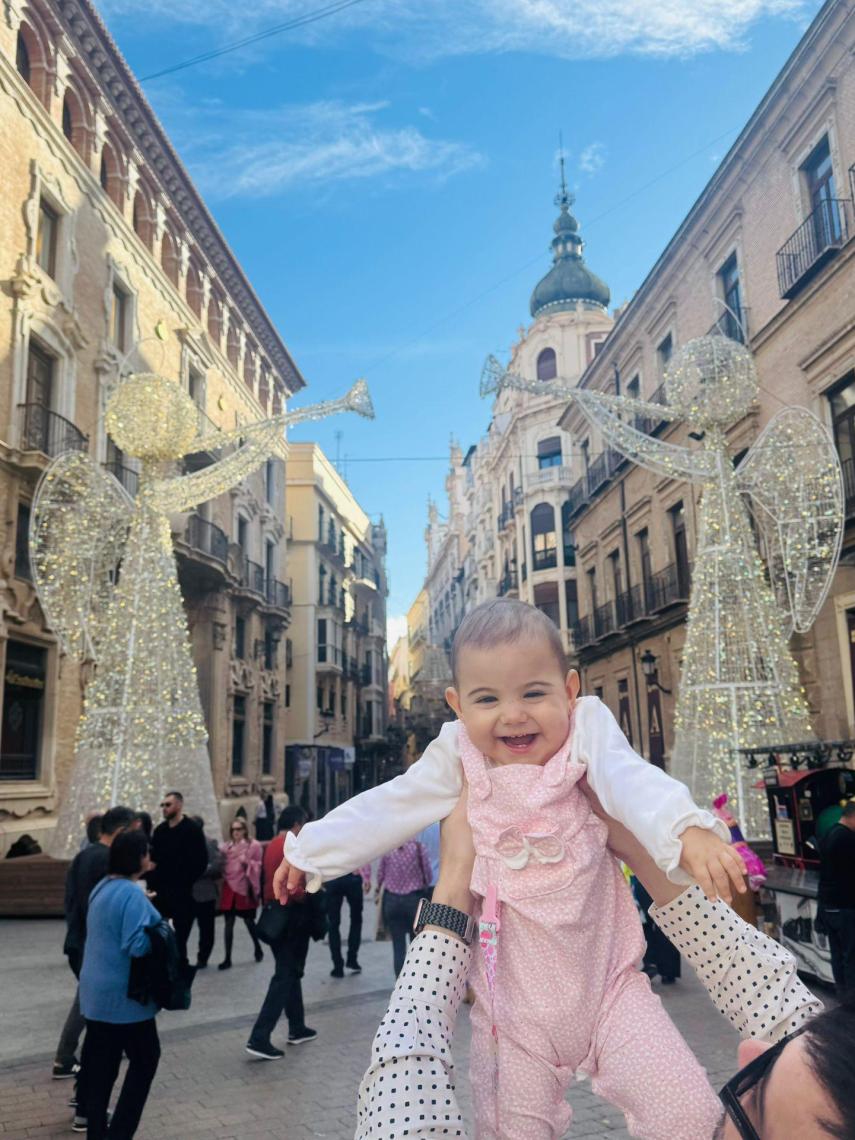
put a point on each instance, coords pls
(791, 476)
(81, 516)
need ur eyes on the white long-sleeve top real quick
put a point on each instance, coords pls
(655, 807)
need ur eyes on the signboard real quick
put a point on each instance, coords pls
(654, 727)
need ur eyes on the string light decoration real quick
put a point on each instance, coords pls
(104, 567)
(739, 685)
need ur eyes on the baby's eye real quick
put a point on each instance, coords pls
(535, 693)
(484, 700)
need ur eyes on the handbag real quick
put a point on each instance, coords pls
(272, 922)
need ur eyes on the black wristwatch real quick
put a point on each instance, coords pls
(460, 924)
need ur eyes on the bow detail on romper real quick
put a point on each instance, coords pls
(516, 849)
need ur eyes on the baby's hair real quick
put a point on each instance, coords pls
(502, 621)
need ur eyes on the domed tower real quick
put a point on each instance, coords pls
(569, 281)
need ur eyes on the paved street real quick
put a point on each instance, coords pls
(206, 1085)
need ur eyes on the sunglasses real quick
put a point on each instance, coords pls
(739, 1086)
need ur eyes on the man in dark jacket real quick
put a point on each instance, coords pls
(88, 867)
(180, 856)
(837, 896)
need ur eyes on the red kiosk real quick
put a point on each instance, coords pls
(805, 784)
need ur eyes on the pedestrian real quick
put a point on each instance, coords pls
(837, 897)
(180, 855)
(241, 888)
(93, 830)
(661, 956)
(87, 868)
(552, 892)
(302, 920)
(144, 823)
(403, 875)
(352, 887)
(264, 817)
(117, 1025)
(429, 836)
(206, 893)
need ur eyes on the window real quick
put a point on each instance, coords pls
(22, 543)
(287, 696)
(23, 711)
(633, 388)
(547, 365)
(681, 549)
(67, 118)
(22, 59)
(119, 317)
(322, 639)
(242, 533)
(332, 591)
(169, 256)
(732, 320)
(664, 353)
(194, 289)
(543, 537)
(592, 588)
(46, 238)
(567, 536)
(546, 600)
(319, 698)
(270, 480)
(233, 343)
(240, 638)
(196, 388)
(270, 561)
(842, 401)
(571, 598)
(266, 738)
(818, 175)
(320, 523)
(270, 647)
(585, 449)
(643, 540)
(238, 735)
(343, 703)
(615, 574)
(41, 369)
(548, 453)
(142, 223)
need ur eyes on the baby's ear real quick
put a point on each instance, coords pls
(453, 698)
(572, 684)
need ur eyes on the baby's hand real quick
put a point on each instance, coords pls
(288, 882)
(712, 862)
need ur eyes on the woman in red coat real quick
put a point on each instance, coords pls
(241, 887)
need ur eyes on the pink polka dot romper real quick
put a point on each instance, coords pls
(567, 995)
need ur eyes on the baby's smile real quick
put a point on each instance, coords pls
(520, 742)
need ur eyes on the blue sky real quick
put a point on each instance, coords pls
(386, 178)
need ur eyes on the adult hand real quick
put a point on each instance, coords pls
(288, 882)
(456, 859)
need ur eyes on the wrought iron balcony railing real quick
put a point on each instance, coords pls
(816, 241)
(669, 586)
(509, 581)
(49, 432)
(277, 594)
(252, 576)
(127, 476)
(207, 537)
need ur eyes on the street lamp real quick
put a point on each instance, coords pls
(651, 672)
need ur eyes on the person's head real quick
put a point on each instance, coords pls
(129, 854)
(93, 828)
(847, 817)
(113, 821)
(292, 818)
(512, 686)
(238, 830)
(143, 822)
(805, 1088)
(172, 806)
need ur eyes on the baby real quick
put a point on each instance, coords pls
(562, 994)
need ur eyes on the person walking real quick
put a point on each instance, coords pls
(404, 874)
(87, 869)
(180, 856)
(353, 888)
(116, 1025)
(837, 897)
(303, 920)
(264, 816)
(241, 888)
(206, 892)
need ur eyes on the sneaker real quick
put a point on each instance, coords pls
(337, 972)
(226, 965)
(264, 1052)
(201, 965)
(304, 1035)
(63, 1072)
(79, 1123)
(354, 967)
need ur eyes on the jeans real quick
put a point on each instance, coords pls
(285, 991)
(205, 914)
(841, 941)
(399, 914)
(103, 1047)
(345, 887)
(75, 1023)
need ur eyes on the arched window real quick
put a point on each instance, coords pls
(169, 257)
(215, 318)
(74, 122)
(233, 343)
(143, 219)
(67, 118)
(264, 388)
(110, 174)
(194, 289)
(22, 59)
(547, 365)
(543, 537)
(249, 365)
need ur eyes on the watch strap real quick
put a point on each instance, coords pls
(456, 921)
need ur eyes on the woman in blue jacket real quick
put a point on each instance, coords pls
(116, 1025)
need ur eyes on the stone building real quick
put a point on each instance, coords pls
(336, 681)
(103, 237)
(765, 256)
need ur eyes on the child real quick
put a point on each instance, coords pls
(567, 995)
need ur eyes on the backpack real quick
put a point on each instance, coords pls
(161, 976)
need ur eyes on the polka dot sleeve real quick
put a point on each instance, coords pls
(751, 979)
(408, 1089)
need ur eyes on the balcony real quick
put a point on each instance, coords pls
(207, 538)
(277, 594)
(333, 551)
(360, 628)
(544, 559)
(127, 476)
(848, 466)
(814, 243)
(558, 476)
(329, 659)
(507, 583)
(666, 588)
(506, 517)
(252, 576)
(46, 431)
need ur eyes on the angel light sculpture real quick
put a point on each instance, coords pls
(739, 684)
(104, 567)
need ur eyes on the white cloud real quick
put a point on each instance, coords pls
(261, 153)
(592, 158)
(396, 627)
(569, 29)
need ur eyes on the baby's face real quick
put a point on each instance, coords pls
(514, 700)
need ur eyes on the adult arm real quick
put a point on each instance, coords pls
(655, 807)
(253, 868)
(137, 914)
(196, 851)
(382, 818)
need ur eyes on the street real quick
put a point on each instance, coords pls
(207, 1085)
